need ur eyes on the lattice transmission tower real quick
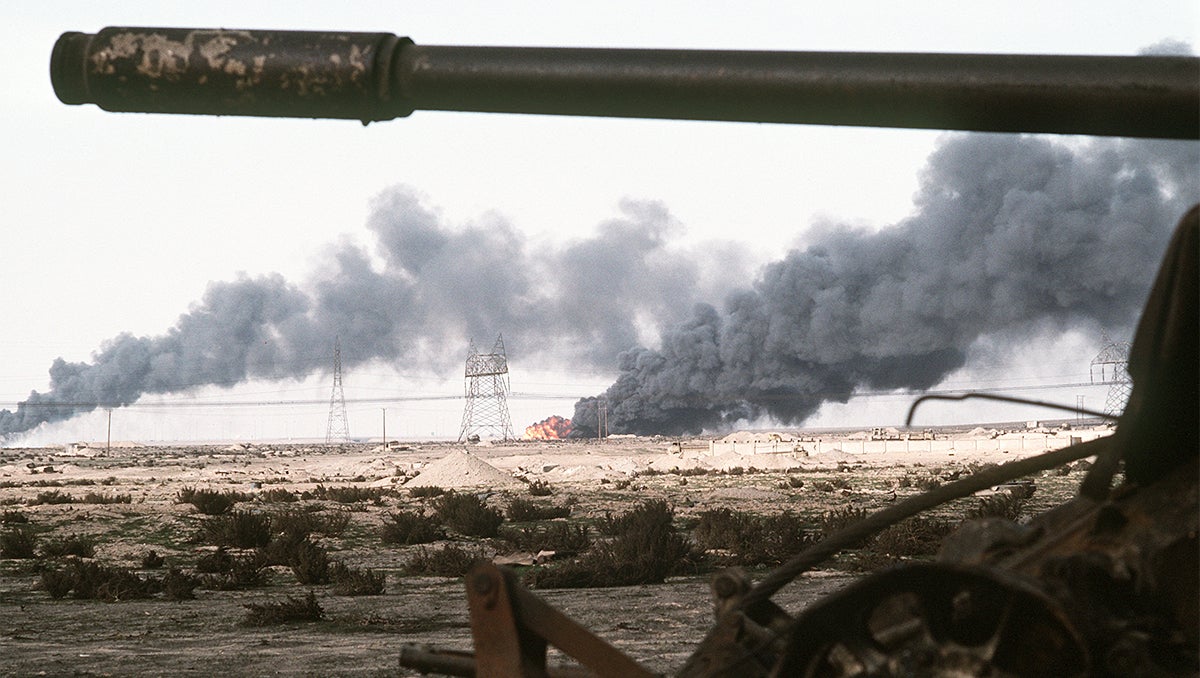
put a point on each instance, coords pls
(338, 430)
(486, 410)
(1111, 365)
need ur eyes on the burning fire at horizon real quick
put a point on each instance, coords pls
(553, 427)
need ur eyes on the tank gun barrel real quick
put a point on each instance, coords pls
(379, 76)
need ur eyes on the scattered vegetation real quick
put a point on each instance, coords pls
(178, 585)
(305, 522)
(310, 563)
(425, 492)
(71, 545)
(750, 539)
(349, 581)
(239, 529)
(524, 510)
(560, 537)
(210, 502)
(540, 488)
(449, 561)
(644, 549)
(89, 580)
(51, 497)
(409, 527)
(13, 518)
(102, 498)
(277, 495)
(304, 609)
(152, 561)
(351, 494)
(468, 514)
(18, 543)
(1005, 505)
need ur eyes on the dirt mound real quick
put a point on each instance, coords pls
(463, 469)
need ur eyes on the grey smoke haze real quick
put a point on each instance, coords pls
(1010, 236)
(419, 295)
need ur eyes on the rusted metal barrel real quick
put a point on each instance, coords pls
(379, 76)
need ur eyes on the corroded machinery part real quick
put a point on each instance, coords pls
(378, 76)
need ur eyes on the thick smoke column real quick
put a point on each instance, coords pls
(424, 291)
(1011, 235)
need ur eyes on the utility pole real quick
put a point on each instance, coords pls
(338, 429)
(385, 445)
(108, 440)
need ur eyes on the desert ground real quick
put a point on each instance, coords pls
(125, 500)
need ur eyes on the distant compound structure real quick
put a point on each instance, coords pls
(1111, 365)
(486, 390)
(338, 430)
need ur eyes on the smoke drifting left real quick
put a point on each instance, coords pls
(417, 294)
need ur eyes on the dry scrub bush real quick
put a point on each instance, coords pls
(524, 510)
(350, 494)
(561, 537)
(753, 539)
(467, 514)
(18, 543)
(540, 488)
(305, 522)
(101, 498)
(13, 518)
(209, 502)
(645, 549)
(304, 609)
(51, 497)
(178, 585)
(310, 563)
(1005, 505)
(449, 561)
(409, 528)
(348, 581)
(277, 495)
(87, 580)
(71, 545)
(425, 492)
(915, 536)
(239, 529)
(835, 520)
(152, 561)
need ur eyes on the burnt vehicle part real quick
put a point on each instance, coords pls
(1106, 584)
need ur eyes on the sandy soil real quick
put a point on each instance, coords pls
(658, 625)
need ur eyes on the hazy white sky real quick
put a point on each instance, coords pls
(116, 222)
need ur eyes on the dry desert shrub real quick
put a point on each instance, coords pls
(467, 514)
(71, 545)
(449, 561)
(560, 537)
(837, 519)
(277, 495)
(1005, 505)
(51, 497)
(304, 609)
(310, 563)
(102, 498)
(523, 510)
(178, 585)
(89, 580)
(644, 549)
(409, 528)
(239, 529)
(540, 488)
(915, 536)
(307, 521)
(425, 492)
(351, 494)
(152, 561)
(209, 502)
(753, 539)
(348, 581)
(13, 518)
(18, 543)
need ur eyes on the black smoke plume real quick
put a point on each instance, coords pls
(1010, 236)
(424, 290)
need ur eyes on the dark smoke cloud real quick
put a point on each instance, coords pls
(418, 296)
(1010, 235)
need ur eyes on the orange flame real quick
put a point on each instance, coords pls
(553, 427)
